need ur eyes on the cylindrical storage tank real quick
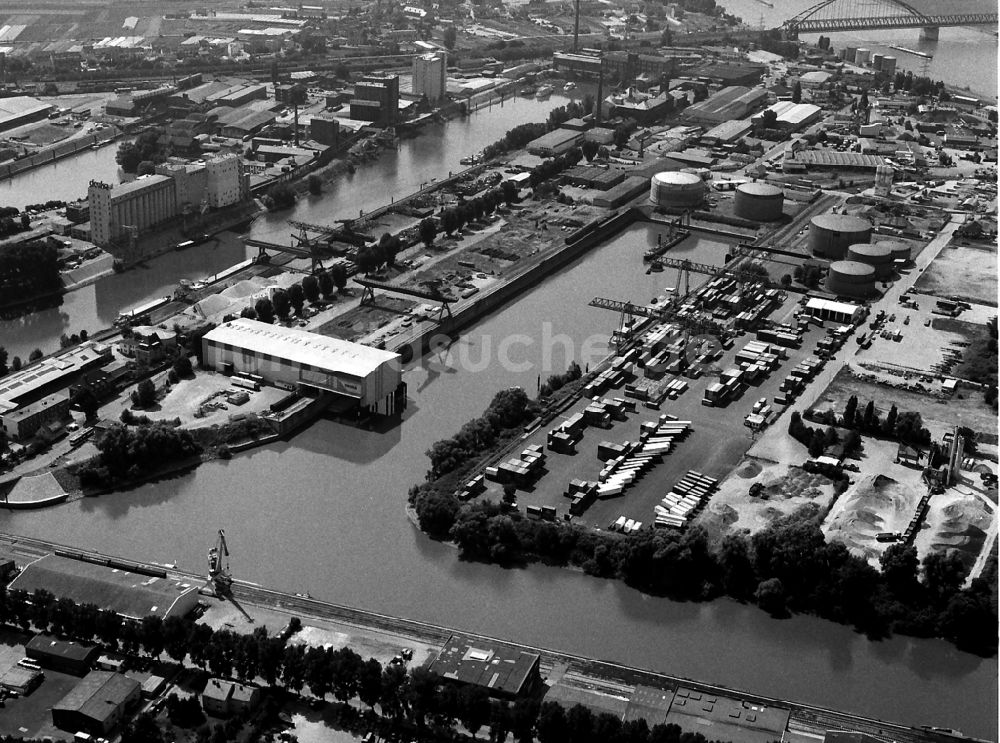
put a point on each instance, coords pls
(888, 65)
(876, 256)
(900, 251)
(676, 189)
(851, 279)
(849, 53)
(831, 234)
(760, 202)
(877, 61)
(862, 56)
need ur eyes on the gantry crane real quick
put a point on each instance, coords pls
(218, 573)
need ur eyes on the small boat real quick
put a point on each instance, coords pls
(543, 92)
(569, 86)
(528, 91)
(472, 159)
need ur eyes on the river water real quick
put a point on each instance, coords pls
(323, 512)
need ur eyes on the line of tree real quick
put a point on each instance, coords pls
(28, 270)
(556, 382)
(384, 252)
(907, 426)
(454, 218)
(554, 166)
(313, 288)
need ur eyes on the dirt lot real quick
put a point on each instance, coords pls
(786, 489)
(939, 413)
(206, 393)
(956, 520)
(876, 504)
(966, 272)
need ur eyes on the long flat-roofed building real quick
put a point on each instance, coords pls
(21, 109)
(503, 671)
(295, 358)
(130, 594)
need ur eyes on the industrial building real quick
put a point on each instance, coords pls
(131, 594)
(760, 202)
(830, 235)
(227, 181)
(147, 201)
(555, 142)
(842, 312)
(23, 422)
(851, 279)
(429, 75)
(504, 672)
(64, 656)
(730, 74)
(97, 704)
(376, 99)
(734, 102)
(877, 256)
(644, 108)
(289, 357)
(21, 109)
(676, 189)
(793, 116)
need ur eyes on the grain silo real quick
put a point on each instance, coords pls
(760, 202)
(676, 189)
(851, 279)
(831, 234)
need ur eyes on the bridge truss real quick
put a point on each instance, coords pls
(861, 15)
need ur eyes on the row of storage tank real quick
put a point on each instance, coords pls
(858, 263)
(760, 202)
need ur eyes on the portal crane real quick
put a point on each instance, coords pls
(219, 576)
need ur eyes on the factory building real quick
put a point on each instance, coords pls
(115, 587)
(675, 189)
(368, 377)
(97, 704)
(504, 672)
(877, 256)
(147, 201)
(830, 235)
(376, 99)
(842, 312)
(792, 116)
(851, 279)
(227, 182)
(429, 75)
(760, 202)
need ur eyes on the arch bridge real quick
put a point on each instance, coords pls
(864, 15)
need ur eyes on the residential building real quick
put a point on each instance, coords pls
(149, 345)
(147, 201)
(429, 72)
(222, 698)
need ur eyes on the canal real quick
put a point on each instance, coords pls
(323, 513)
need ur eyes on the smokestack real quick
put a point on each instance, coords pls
(600, 91)
(576, 27)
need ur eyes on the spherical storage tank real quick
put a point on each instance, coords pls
(831, 234)
(900, 251)
(851, 279)
(760, 202)
(676, 189)
(877, 256)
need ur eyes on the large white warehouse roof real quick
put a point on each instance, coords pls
(301, 347)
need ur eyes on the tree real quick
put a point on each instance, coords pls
(325, 283)
(509, 192)
(899, 569)
(797, 92)
(370, 682)
(182, 366)
(282, 303)
(16, 364)
(770, 596)
(551, 724)
(296, 297)
(816, 444)
(944, 574)
(850, 411)
(428, 231)
(265, 310)
(367, 258)
(310, 288)
(589, 148)
(145, 394)
(87, 402)
(146, 167)
(449, 37)
(339, 275)
(869, 420)
(889, 424)
(3, 361)
(315, 184)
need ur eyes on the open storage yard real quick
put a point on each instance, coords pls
(965, 272)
